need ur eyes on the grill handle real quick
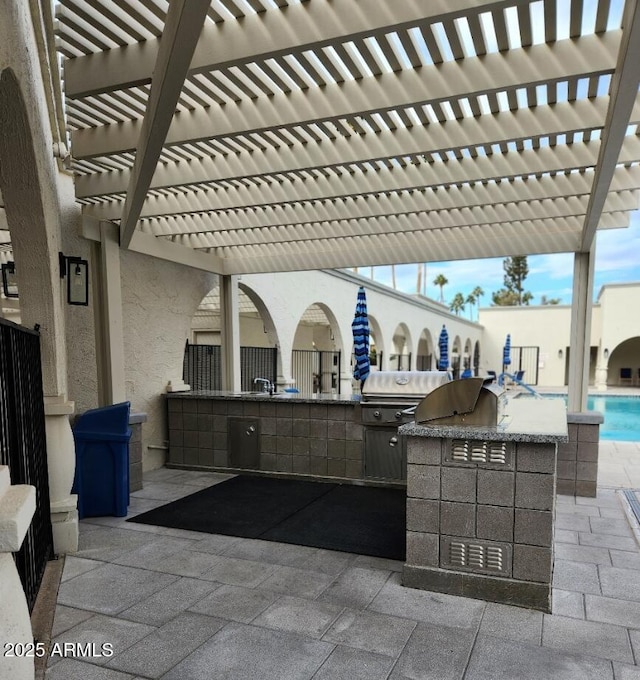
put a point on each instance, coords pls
(411, 411)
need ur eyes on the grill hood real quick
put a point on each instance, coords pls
(462, 402)
(402, 385)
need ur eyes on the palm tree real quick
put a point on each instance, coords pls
(477, 293)
(471, 300)
(441, 280)
(457, 304)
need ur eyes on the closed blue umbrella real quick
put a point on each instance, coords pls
(360, 330)
(506, 352)
(443, 345)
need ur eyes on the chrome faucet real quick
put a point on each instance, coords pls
(267, 385)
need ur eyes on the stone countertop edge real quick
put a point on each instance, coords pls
(137, 418)
(585, 418)
(538, 422)
(287, 397)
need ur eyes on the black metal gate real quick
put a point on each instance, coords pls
(202, 366)
(23, 444)
(526, 358)
(424, 362)
(316, 372)
(400, 362)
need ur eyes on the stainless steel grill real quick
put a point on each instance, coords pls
(389, 399)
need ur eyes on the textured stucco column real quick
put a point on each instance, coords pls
(580, 338)
(602, 371)
(61, 466)
(111, 342)
(17, 505)
(230, 333)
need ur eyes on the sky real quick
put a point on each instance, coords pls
(617, 261)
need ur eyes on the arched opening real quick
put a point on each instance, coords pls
(316, 356)
(400, 357)
(466, 356)
(424, 355)
(476, 359)
(456, 357)
(376, 345)
(259, 356)
(624, 364)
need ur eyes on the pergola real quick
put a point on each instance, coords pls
(246, 136)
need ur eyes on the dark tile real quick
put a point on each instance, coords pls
(423, 515)
(533, 527)
(496, 487)
(457, 519)
(534, 491)
(458, 484)
(532, 563)
(494, 523)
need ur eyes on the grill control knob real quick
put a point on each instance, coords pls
(250, 430)
(398, 415)
(377, 414)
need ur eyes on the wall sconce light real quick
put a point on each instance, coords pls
(560, 354)
(76, 271)
(606, 353)
(9, 280)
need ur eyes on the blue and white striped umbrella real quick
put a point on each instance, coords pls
(443, 345)
(506, 352)
(360, 330)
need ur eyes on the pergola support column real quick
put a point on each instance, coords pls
(580, 337)
(230, 333)
(109, 324)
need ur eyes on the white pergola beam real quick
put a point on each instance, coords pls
(435, 176)
(179, 38)
(467, 133)
(433, 246)
(373, 226)
(332, 211)
(450, 80)
(272, 33)
(624, 89)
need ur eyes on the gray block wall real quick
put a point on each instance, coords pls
(135, 451)
(323, 440)
(479, 528)
(578, 458)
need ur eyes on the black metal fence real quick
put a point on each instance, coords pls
(526, 358)
(316, 372)
(424, 362)
(400, 362)
(202, 366)
(23, 444)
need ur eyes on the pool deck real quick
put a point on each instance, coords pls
(181, 605)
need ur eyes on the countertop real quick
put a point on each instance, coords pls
(524, 420)
(294, 397)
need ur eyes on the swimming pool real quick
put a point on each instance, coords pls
(621, 415)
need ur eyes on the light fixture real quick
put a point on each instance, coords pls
(9, 280)
(76, 271)
(560, 354)
(606, 353)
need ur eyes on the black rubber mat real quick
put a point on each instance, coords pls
(356, 519)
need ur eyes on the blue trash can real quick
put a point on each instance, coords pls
(101, 481)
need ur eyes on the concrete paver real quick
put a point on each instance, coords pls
(181, 605)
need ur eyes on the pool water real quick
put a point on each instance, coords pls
(621, 415)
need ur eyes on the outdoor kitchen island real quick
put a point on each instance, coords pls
(480, 504)
(319, 436)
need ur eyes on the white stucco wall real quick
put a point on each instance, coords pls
(159, 299)
(288, 295)
(613, 322)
